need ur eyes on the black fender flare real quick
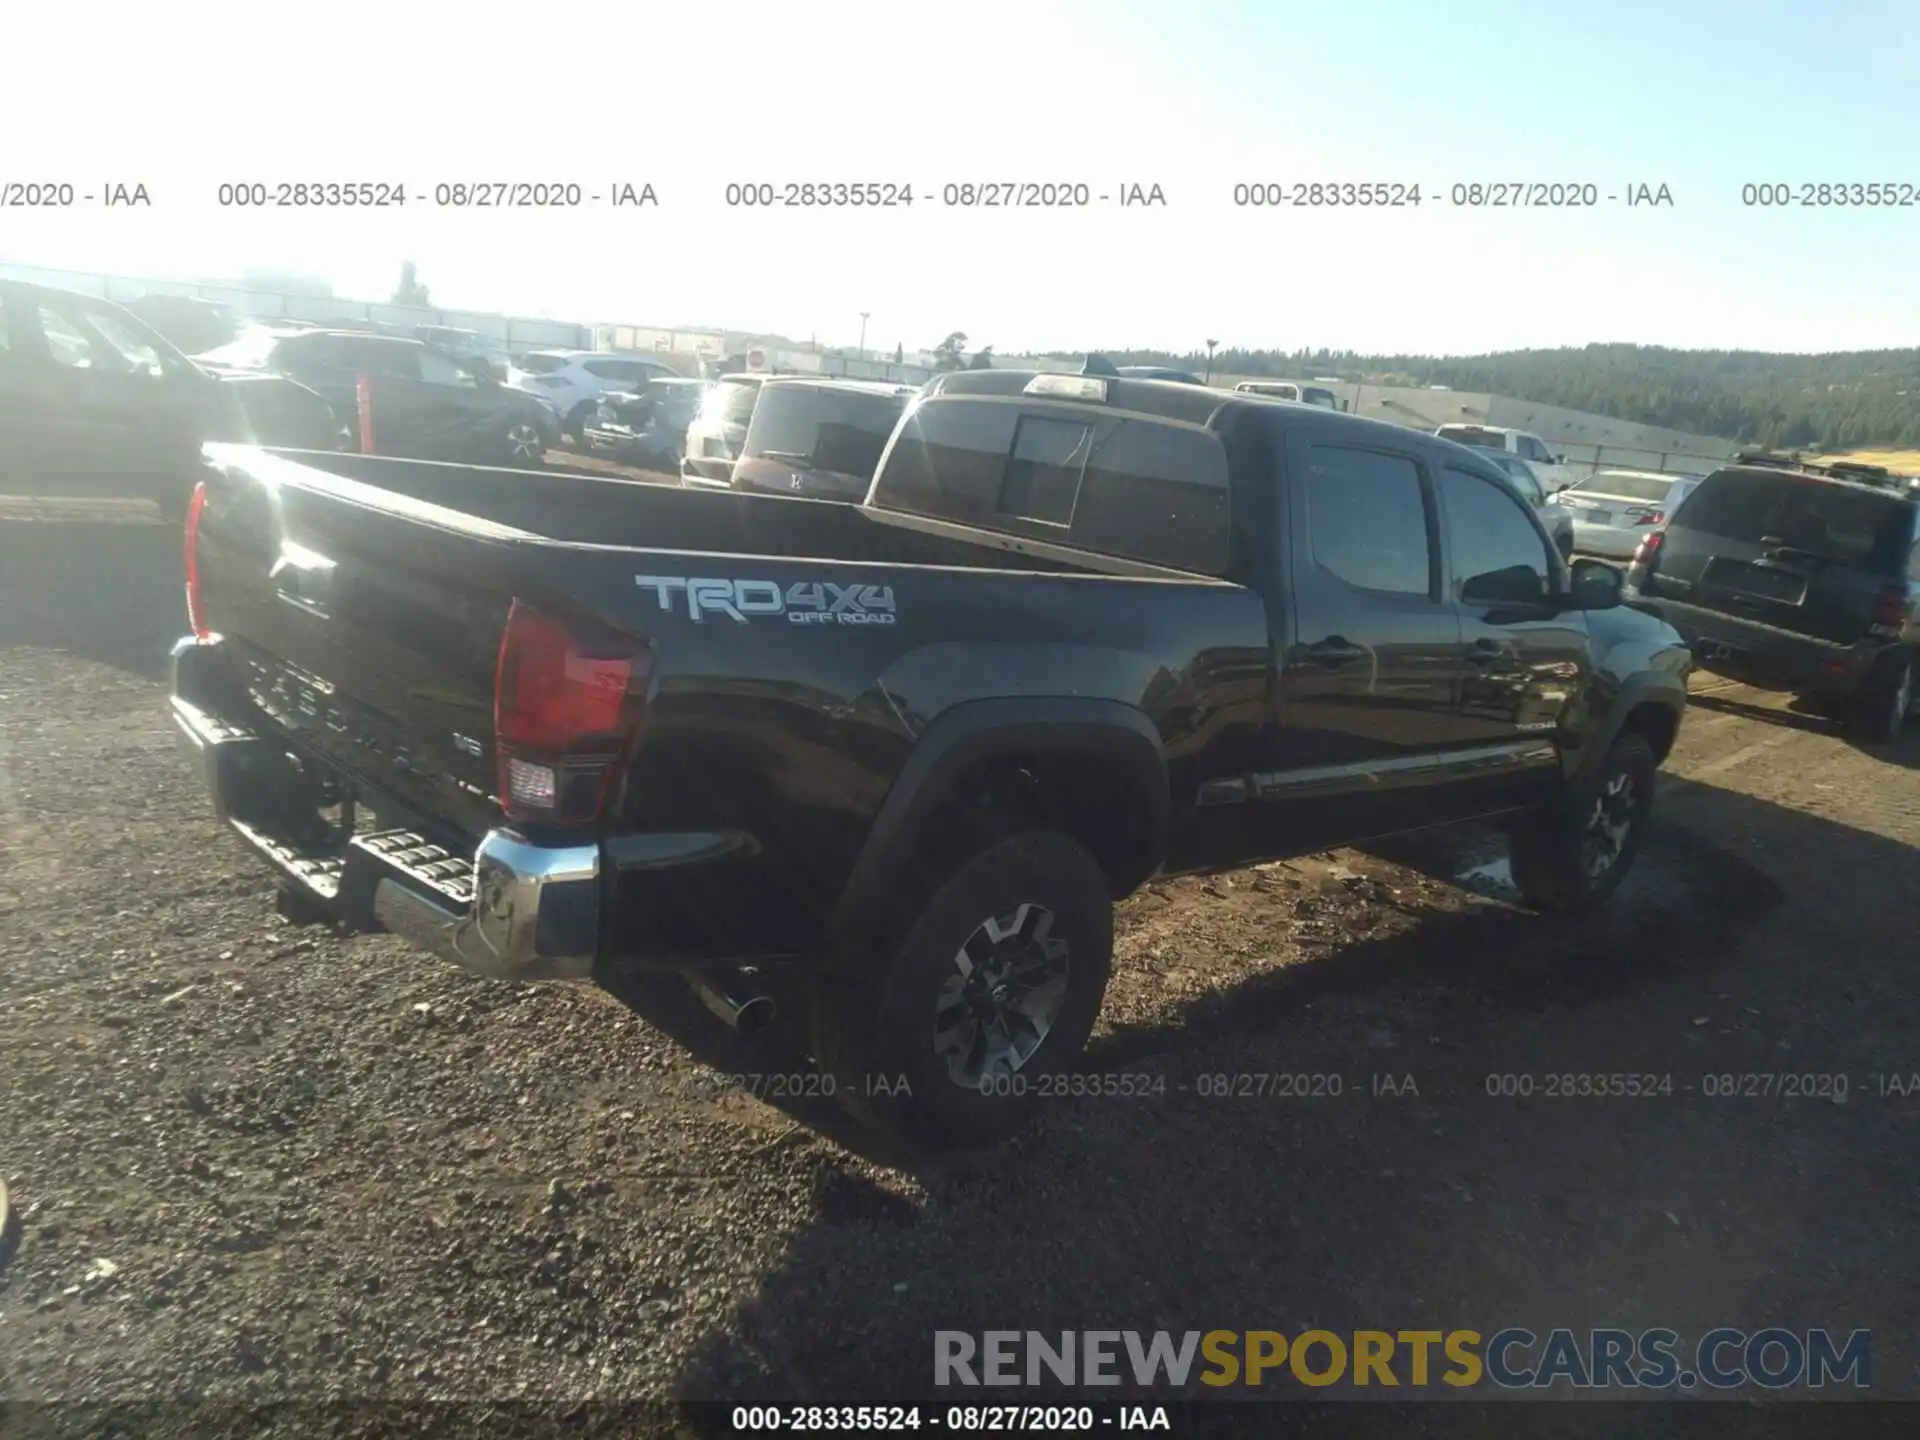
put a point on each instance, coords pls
(977, 730)
(1658, 687)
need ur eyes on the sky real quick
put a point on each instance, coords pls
(1194, 97)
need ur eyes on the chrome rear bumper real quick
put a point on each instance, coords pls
(516, 910)
(534, 915)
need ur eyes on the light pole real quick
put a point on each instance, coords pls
(863, 334)
(1210, 345)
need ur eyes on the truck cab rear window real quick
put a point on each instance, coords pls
(1120, 485)
(1044, 473)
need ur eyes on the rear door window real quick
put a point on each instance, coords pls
(307, 356)
(67, 343)
(542, 364)
(1836, 523)
(621, 372)
(1367, 520)
(135, 350)
(439, 368)
(392, 359)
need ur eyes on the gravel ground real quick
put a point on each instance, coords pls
(254, 1162)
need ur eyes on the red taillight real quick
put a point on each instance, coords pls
(1640, 568)
(196, 611)
(1649, 517)
(567, 701)
(1890, 608)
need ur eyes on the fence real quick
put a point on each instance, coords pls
(1613, 457)
(852, 369)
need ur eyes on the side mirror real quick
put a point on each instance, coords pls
(1594, 585)
(1515, 585)
(1559, 459)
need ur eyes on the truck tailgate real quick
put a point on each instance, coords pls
(367, 626)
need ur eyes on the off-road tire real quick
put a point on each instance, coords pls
(1551, 862)
(873, 1012)
(1884, 704)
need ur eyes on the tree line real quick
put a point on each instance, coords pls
(1846, 400)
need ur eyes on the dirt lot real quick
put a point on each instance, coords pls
(260, 1163)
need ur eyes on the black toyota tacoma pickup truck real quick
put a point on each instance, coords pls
(1083, 631)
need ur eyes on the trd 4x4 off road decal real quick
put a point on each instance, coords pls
(807, 602)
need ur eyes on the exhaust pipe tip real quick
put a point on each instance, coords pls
(754, 1016)
(743, 1009)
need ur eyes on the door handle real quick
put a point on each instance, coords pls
(1334, 652)
(1483, 652)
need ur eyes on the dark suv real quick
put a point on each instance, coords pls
(424, 403)
(94, 401)
(1796, 576)
(819, 438)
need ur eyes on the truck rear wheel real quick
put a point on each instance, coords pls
(952, 1034)
(1886, 701)
(1575, 853)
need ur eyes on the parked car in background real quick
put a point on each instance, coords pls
(1790, 575)
(719, 429)
(1614, 509)
(189, 324)
(469, 347)
(819, 438)
(647, 426)
(1289, 390)
(1555, 516)
(1552, 469)
(573, 381)
(425, 403)
(93, 401)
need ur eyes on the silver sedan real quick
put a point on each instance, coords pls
(1614, 510)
